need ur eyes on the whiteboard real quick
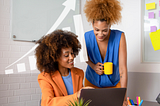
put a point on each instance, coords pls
(148, 52)
(31, 19)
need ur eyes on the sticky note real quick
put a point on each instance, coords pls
(32, 62)
(151, 15)
(21, 67)
(150, 6)
(159, 2)
(153, 29)
(155, 39)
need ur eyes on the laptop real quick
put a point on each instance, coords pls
(103, 96)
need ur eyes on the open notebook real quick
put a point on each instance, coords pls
(104, 96)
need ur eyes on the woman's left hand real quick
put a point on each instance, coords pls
(125, 103)
(79, 92)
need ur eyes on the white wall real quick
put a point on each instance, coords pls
(17, 89)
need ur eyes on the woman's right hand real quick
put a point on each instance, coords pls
(98, 68)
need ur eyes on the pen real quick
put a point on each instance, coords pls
(129, 103)
(132, 103)
(141, 103)
(137, 101)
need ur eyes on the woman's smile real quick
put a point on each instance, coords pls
(71, 63)
(100, 37)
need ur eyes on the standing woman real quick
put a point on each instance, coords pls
(59, 80)
(105, 45)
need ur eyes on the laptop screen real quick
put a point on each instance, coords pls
(103, 96)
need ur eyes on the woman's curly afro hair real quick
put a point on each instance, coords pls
(49, 49)
(108, 10)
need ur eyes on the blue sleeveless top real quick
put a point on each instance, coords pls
(111, 56)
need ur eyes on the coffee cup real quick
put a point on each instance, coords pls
(108, 68)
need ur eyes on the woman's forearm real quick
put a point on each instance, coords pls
(123, 79)
(90, 63)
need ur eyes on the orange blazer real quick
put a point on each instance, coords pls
(53, 89)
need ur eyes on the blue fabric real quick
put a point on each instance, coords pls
(68, 83)
(111, 56)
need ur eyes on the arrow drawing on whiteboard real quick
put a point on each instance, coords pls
(69, 4)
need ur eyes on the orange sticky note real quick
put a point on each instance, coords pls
(150, 6)
(155, 39)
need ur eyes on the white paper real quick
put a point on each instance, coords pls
(9, 71)
(67, 28)
(80, 32)
(32, 62)
(21, 67)
(149, 23)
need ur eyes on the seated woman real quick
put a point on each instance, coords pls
(59, 80)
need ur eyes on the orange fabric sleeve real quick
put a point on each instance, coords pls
(48, 92)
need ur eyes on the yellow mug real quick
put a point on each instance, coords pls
(108, 68)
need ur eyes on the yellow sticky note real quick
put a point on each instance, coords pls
(155, 39)
(150, 6)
